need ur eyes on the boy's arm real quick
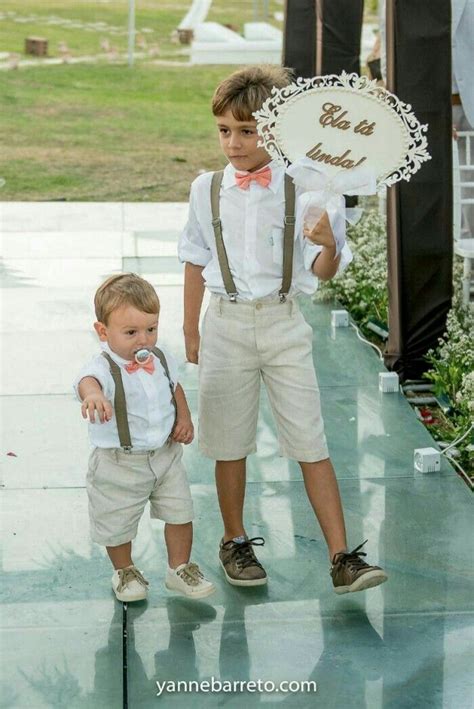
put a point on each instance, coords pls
(184, 429)
(193, 295)
(325, 264)
(93, 399)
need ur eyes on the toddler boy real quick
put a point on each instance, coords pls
(138, 419)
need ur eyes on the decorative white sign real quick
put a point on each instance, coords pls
(343, 122)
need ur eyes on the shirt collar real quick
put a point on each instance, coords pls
(278, 171)
(119, 360)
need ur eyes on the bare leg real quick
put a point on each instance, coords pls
(179, 540)
(323, 493)
(230, 483)
(121, 556)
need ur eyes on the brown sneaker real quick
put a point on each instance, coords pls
(240, 564)
(350, 573)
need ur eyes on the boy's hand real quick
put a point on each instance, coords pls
(184, 430)
(191, 343)
(97, 402)
(321, 234)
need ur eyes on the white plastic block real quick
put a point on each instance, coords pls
(339, 318)
(388, 382)
(427, 460)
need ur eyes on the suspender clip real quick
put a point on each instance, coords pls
(283, 297)
(233, 297)
(127, 449)
(289, 220)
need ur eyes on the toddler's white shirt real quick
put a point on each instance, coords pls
(253, 227)
(149, 405)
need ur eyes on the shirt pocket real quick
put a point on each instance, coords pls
(276, 240)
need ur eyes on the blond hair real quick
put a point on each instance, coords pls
(246, 90)
(125, 289)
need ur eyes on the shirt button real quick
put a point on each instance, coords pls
(259, 306)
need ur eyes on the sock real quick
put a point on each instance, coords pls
(173, 571)
(239, 540)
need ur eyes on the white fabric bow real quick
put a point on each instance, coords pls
(325, 193)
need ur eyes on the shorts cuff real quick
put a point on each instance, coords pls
(170, 518)
(113, 541)
(226, 455)
(305, 456)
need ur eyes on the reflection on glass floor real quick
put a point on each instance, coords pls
(404, 644)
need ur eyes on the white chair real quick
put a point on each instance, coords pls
(463, 184)
(196, 14)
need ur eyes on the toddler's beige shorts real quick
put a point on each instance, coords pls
(119, 485)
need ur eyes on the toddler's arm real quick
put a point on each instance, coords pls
(184, 429)
(93, 400)
(193, 295)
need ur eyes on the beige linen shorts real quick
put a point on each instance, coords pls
(120, 484)
(242, 343)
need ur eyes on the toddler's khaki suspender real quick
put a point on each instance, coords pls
(120, 404)
(288, 239)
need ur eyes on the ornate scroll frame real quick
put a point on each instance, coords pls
(416, 141)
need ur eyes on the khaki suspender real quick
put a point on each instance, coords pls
(120, 404)
(229, 284)
(156, 351)
(288, 238)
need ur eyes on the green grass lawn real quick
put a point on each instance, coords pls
(105, 131)
(75, 22)
(155, 22)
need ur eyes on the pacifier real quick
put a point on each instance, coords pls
(142, 356)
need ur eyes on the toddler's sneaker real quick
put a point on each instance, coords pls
(129, 584)
(350, 573)
(189, 580)
(241, 566)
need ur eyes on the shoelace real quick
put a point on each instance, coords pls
(352, 558)
(130, 574)
(191, 574)
(243, 552)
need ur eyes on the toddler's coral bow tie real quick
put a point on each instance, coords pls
(263, 177)
(134, 367)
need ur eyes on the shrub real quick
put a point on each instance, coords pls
(362, 288)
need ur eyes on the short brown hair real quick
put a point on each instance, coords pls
(125, 289)
(247, 89)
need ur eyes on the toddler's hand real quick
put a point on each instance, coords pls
(191, 343)
(321, 234)
(97, 403)
(183, 431)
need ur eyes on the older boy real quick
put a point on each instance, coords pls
(233, 244)
(137, 452)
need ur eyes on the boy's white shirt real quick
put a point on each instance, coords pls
(149, 407)
(253, 226)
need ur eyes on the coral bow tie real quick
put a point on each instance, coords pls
(134, 367)
(263, 177)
